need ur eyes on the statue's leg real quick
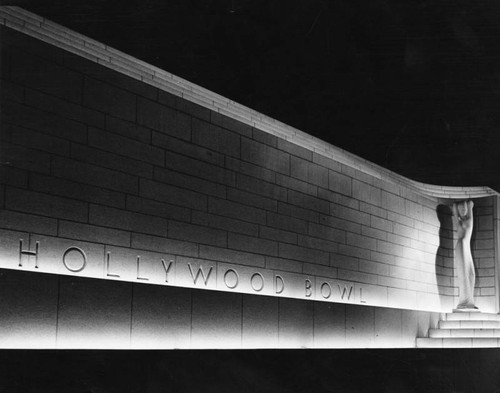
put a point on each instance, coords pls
(461, 275)
(470, 280)
(466, 276)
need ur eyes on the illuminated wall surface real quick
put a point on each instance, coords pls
(139, 210)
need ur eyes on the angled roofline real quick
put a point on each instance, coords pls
(64, 38)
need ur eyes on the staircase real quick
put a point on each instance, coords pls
(464, 330)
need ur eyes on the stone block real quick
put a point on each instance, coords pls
(390, 248)
(164, 245)
(125, 147)
(296, 185)
(155, 208)
(264, 137)
(340, 223)
(326, 162)
(128, 129)
(400, 219)
(203, 170)
(28, 309)
(13, 176)
(172, 195)
(373, 210)
(340, 183)
(396, 239)
(252, 244)
(380, 257)
(260, 322)
(224, 223)
(317, 244)
(401, 272)
(327, 233)
(112, 77)
(183, 180)
(183, 105)
(45, 205)
(23, 158)
(286, 265)
(261, 187)
(38, 141)
(78, 191)
(216, 320)
(231, 124)
(352, 251)
(101, 158)
(298, 212)
(319, 270)
(286, 223)
(249, 169)
(266, 156)
(197, 234)
(373, 267)
(27, 222)
(401, 298)
(216, 138)
(329, 325)
(380, 223)
(47, 76)
(294, 149)
(351, 275)
(163, 119)
(231, 256)
(277, 234)
(366, 193)
(409, 328)
(308, 172)
(296, 323)
(93, 314)
(388, 327)
(250, 199)
(91, 233)
(308, 202)
(360, 326)
(236, 210)
(109, 99)
(344, 261)
(374, 233)
(186, 148)
(393, 202)
(126, 220)
(61, 107)
(289, 251)
(361, 241)
(52, 124)
(161, 317)
(94, 175)
(348, 214)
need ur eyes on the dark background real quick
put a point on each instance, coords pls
(413, 86)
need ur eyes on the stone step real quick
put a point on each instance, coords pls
(479, 342)
(467, 324)
(467, 333)
(471, 316)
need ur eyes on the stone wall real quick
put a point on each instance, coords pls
(51, 311)
(108, 177)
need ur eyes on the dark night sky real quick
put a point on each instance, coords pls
(413, 86)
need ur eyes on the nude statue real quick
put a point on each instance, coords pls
(462, 212)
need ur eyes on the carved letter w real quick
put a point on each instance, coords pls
(200, 272)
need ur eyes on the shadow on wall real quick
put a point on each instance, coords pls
(445, 252)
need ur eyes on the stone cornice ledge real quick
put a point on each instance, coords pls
(57, 35)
